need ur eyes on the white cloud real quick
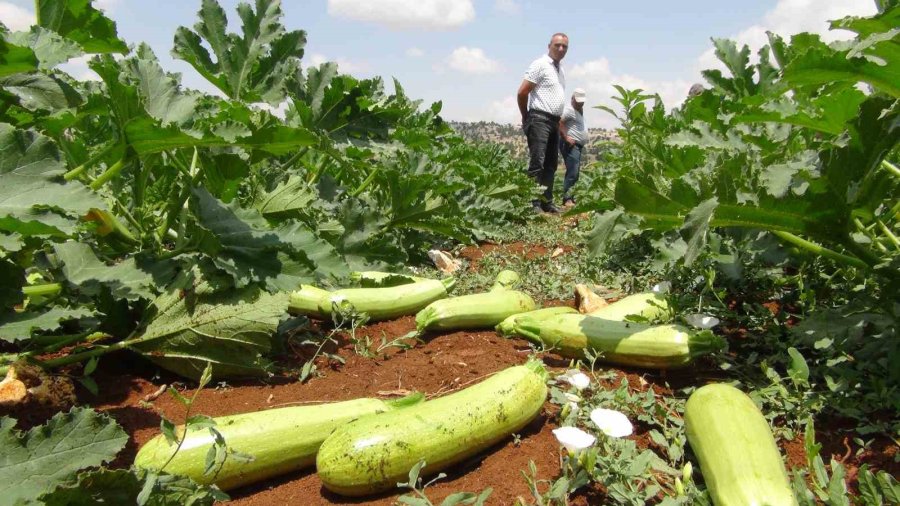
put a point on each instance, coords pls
(15, 18)
(406, 14)
(106, 5)
(415, 52)
(790, 17)
(504, 110)
(598, 78)
(472, 60)
(507, 6)
(78, 68)
(344, 66)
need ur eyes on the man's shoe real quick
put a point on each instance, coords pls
(548, 207)
(537, 208)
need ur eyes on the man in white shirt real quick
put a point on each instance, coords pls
(541, 98)
(573, 136)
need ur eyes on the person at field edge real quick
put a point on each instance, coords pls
(542, 98)
(573, 136)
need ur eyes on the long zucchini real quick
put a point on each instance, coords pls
(480, 310)
(375, 453)
(624, 343)
(648, 305)
(738, 456)
(280, 440)
(508, 326)
(379, 303)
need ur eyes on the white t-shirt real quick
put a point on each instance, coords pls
(549, 93)
(574, 121)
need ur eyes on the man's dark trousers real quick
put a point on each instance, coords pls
(572, 159)
(542, 132)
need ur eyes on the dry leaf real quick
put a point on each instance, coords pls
(443, 261)
(587, 301)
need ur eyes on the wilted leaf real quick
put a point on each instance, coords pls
(232, 330)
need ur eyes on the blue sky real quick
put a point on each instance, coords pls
(471, 54)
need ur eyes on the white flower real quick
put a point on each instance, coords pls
(661, 288)
(576, 378)
(701, 321)
(573, 439)
(612, 422)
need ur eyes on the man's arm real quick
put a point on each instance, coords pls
(564, 132)
(522, 96)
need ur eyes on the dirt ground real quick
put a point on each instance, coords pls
(130, 387)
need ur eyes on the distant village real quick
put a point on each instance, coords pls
(512, 138)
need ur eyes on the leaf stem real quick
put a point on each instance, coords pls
(820, 250)
(78, 171)
(365, 184)
(890, 235)
(108, 174)
(893, 169)
(42, 289)
(177, 205)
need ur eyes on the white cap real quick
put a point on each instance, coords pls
(578, 95)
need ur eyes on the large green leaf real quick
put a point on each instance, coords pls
(37, 461)
(289, 198)
(819, 64)
(41, 91)
(146, 137)
(241, 242)
(123, 486)
(252, 67)
(131, 279)
(16, 58)
(231, 329)
(160, 92)
(79, 21)
(33, 199)
(49, 47)
(19, 326)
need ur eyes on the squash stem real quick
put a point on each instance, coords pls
(43, 289)
(78, 171)
(108, 174)
(820, 250)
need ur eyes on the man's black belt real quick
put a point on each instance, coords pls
(544, 114)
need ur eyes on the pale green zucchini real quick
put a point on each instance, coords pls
(648, 305)
(279, 440)
(374, 453)
(480, 310)
(306, 301)
(624, 343)
(379, 303)
(507, 327)
(738, 456)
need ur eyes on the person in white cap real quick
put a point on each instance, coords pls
(573, 136)
(541, 99)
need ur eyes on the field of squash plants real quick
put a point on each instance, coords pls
(202, 301)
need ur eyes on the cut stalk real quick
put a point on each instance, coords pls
(890, 235)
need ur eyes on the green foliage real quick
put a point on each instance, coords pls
(115, 189)
(37, 461)
(251, 67)
(419, 498)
